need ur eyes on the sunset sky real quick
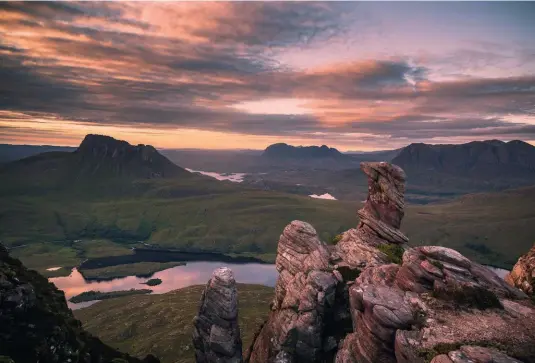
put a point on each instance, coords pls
(357, 76)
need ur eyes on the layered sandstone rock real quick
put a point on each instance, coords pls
(380, 218)
(304, 299)
(435, 305)
(437, 298)
(216, 335)
(523, 274)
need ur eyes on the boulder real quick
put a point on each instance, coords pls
(522, 275)
(216, 334)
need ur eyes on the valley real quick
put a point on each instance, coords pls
(84, 204)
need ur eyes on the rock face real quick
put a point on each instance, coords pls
(304, 300)
(523, 274)
(348, 304)
(37, 326)
(380, 218)
(216, 335)
(105, 156)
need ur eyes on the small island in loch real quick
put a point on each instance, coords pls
(98, 295)
(152, 282)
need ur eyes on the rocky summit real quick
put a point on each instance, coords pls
(37, 326)
(373, 299)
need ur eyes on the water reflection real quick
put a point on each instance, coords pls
(193, 273)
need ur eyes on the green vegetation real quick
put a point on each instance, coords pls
(62, 203)
(98, 295)
(488, 219)
(393, 252)
(337, 238)
(123, 323)
(4, 359)
(153, 282)
(66, 254)
(138, 268)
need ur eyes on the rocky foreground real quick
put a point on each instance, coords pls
(373, 299)
(37, 326)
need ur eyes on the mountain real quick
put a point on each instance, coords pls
(37, 326)
(99, 159)
(104, 155)
(479, 159)
(445, 171)
(10, 152)
(285, 151)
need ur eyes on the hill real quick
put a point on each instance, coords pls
(124, 322)
(10, 152)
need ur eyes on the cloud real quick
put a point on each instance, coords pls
(184, 65)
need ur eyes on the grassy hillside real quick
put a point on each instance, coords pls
(123, 323)
(492, 228)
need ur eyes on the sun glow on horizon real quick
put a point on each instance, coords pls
(275, 106)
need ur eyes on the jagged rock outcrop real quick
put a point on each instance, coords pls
(37, 326)
(436, 298)
(348, 304)
(216, 335)
(305, 295)
(522, 275)
(380, 218)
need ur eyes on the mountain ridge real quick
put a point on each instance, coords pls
(285, 151)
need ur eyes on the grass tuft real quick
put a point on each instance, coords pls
(393, 252)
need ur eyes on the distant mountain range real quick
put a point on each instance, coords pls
(285, 151)
(475, 159)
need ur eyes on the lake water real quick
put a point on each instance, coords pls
(233, 177)
(193, 273)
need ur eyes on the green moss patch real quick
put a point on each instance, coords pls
(393, 252)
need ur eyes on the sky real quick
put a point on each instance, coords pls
(244, 75)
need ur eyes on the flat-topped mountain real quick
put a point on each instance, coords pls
(480, 158)
(285, 151)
